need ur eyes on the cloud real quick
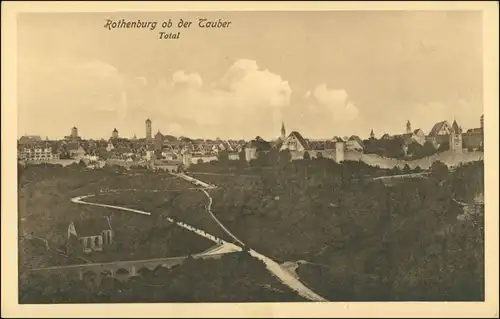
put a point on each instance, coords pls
(188, 80)
(323, 112)
(333, 102)
(244, 102)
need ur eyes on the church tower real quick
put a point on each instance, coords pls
(148, 130)
(456, 138)
(408, 127)
(283, 131)
(372, 135)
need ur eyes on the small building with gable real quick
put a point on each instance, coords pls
(89, 235)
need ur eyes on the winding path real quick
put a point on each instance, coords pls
(276, 269)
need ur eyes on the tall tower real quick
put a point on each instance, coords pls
(456, 138)
(372, 135)
(158, 141)
(148, 130)
(74, 132)
(283, 131)
(482, 122)
(114, 134)
(408, 127)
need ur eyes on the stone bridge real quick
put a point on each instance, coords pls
(122, 270)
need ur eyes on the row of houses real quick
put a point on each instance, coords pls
(170, 148)
(442, 133)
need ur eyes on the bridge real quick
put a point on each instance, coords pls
(122, 270)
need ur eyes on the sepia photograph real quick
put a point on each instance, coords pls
(185, 156)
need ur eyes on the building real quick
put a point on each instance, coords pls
(439, 133)
(74, 133)
(158, 142)
(294, 142)
(254, 147)
(339, 150)
(90, 235)
(148, 130)
(354, 143)
(76, 151)
(187, 159)
(37, 153)
(372, 135)
(408, 127)
(114, 134)
(166, 165)
(283, 131)
(473, 139)
(455, 137)
(29, 139)
(416, 136)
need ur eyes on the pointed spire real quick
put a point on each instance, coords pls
(408, 127)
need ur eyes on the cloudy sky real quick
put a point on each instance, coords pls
(322, 73)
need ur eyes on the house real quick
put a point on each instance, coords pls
(294, 142)
(416, 136)
(110, 147)
(439, 133)
(76, 151)
(29, 139)
(256, 146)
(41, 152)
(354, 143)
(90, 235)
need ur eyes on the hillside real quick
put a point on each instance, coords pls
(397, 240)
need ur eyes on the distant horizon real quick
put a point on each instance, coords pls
(426, 132)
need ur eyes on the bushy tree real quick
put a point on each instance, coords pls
(439, 170)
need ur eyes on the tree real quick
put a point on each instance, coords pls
(306, 155)
(319, 155)
(439, 170)
(284, 157)
(199, 161)
(223, 157)
(407, 169)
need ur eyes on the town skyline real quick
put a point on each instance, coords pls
(143, 134)
(426, 70)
